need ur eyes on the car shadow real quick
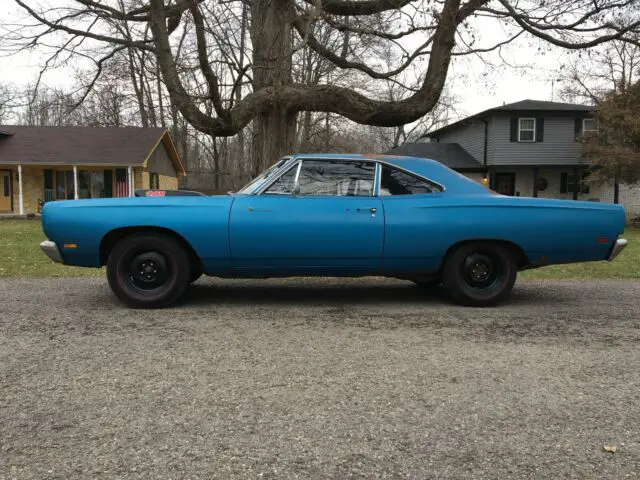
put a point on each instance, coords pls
(262, 292)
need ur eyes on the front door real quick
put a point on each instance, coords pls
(332, 225)
(506, 183)
(5, 191)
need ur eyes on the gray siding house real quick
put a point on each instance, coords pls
(527, 148)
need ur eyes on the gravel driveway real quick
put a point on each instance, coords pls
(319, 379)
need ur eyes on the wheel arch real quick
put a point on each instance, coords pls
(521, 256)
(111, 238)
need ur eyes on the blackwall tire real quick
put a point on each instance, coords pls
(480, 274)
(195, 275)
(148, 270)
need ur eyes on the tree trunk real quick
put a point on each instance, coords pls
(273, 131)
(241, 54)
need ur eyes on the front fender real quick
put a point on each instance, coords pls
(201, 221)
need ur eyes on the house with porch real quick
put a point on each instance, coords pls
(527, 148)
(41, 164)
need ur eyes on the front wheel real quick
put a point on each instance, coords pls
(148, 270)
(480, 274)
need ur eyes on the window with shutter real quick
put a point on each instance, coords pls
(527, 130)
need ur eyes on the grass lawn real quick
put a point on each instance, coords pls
(21, 257)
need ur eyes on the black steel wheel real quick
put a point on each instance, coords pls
(480, 274)
(148, 270)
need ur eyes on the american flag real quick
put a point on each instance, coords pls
(122, 189)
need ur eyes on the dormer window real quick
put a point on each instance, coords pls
(527, 130)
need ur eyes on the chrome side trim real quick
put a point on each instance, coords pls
(621, 243)
(285, 169)
(51, 249)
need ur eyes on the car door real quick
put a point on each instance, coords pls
(332, 225)
(415, 230)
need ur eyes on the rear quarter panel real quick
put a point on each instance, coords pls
(201, 221)
(419, 230)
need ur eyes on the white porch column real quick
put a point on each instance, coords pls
(20, 194)
(75, 182)
(131, 180)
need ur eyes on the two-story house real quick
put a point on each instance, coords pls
(527, 148)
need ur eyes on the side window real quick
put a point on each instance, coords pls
(335, 177)
(284, 184)
(396, 182)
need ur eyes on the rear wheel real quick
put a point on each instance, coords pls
(480, 274)
(148, 270)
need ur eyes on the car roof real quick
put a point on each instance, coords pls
(417, 165)
(393, 159)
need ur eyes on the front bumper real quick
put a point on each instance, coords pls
(621, 243)
(51, 249)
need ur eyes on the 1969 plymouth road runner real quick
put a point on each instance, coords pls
(332, 215)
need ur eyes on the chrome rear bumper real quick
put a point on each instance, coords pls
(51, 250)
(617, 248)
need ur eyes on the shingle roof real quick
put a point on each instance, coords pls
(116, 146)
(544, 105)
(522, 106)
(450, 154)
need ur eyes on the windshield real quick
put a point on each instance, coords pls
(253, 185)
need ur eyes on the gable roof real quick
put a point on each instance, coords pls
(528, 105)
(451, 155)
(87, 146)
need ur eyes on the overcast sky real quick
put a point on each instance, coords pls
(475, 84)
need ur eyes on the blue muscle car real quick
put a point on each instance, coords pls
(332, 215)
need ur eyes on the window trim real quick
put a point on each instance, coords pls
(298, 164)
(286, 166)
(263, 190)
(382, 163)
(520, 130)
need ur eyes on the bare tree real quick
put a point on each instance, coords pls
(7, 99)
(611, 68)
(203, 83)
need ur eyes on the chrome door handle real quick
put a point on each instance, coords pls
(371, 210)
